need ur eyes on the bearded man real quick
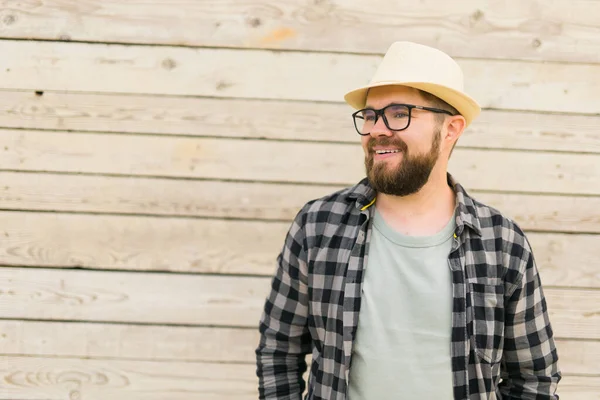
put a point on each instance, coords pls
(404, 286)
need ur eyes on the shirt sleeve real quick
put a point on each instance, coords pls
(529, 365)
(284, 336)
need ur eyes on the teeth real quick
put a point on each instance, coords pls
(386, 151)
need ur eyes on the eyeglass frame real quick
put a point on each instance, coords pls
(381, 113)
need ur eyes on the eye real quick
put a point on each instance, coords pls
(396, 112)
(368, 116)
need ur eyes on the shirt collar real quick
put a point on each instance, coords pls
(466, 209)
(364, 196)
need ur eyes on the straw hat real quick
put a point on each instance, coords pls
(424, 68)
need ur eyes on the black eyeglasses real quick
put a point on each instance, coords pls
(396, 117)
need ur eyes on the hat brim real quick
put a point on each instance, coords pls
(465, 105)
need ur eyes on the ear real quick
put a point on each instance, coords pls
(455, 125)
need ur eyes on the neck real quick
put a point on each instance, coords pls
(423, 213)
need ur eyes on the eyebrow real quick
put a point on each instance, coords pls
(390, 104)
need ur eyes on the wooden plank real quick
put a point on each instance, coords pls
(133, 342)
(288, 120)
(574, 313)
(259, 160)
(141, 243)
(508, 29)
(132, 297)
(167, 343)
(28, 378)
(579, 388)
(516, 85)
(214, 246)
(547, 212)
(104, 296)
(554, 255)
(578, 357)
(251, 200)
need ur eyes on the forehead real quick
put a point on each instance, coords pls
(381, 96)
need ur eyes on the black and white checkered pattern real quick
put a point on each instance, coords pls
(502, 341)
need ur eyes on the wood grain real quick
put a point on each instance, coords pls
(554, 255)
(31, 378)
(509, 29)
(216, 246)
(499, 84)
(251, 200)
(132, 297)
(131, 342)
(141, 243)
(189, 344)
(574, 313)
(579, 357)
(155, 335)
(258, 160)
(104, 296)
(579, 388)
(287, 120)
(547, 212)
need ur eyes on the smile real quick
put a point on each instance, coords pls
(386, 151)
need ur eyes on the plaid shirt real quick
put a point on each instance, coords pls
(502, 345)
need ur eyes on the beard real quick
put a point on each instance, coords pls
(410, 175)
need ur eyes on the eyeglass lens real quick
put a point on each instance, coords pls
(397, 117)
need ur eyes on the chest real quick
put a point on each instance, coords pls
(338, 275)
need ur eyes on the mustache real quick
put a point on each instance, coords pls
(386, 141)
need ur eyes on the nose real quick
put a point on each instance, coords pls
(379, 129)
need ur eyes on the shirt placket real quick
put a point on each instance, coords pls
(459, 341)
(353, 288)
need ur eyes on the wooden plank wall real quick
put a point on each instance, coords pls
(152, 155)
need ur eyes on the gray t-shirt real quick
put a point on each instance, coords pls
(402, 344)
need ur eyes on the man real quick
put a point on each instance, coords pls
(404, 286)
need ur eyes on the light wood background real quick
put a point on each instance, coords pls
(153, 153)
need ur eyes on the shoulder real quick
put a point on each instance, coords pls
(497, 240)
(496, 229)
(337, 204)
(503, 237)
(338, 213)
(496, 225)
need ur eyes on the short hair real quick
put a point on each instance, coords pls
(436, 102)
